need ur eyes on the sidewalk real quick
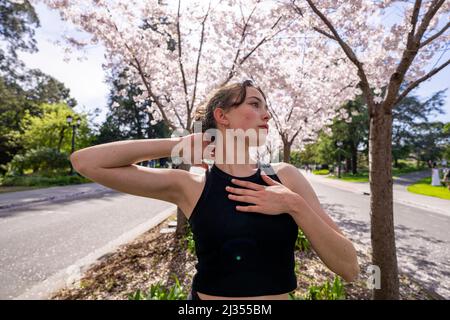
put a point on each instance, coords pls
(401, 195)
(12, 200)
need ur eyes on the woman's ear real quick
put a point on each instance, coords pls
(221, 117)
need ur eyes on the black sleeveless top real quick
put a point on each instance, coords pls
(239, 253)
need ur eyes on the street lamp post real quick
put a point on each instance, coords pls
(69, 120)
(339, 145)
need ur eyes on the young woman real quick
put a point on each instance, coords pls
(244, 216)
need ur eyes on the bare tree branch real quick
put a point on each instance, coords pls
(414, 17)
(420, 80)
(435, 6)
(326, 34)
(265, 39)
(243, 35)
(436, 35)
(412, 48)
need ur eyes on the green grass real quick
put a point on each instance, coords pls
(10, 184)
(363, 175)
(321, 172)
(424, 187)
(159, 292)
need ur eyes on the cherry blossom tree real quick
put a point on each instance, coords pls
(176, 53)
(305, 87)
(391, 56)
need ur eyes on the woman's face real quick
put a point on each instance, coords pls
(250, 116)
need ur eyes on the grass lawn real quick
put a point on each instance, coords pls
(424, 187)
(28, 182)
(359, 177)
(363, 176)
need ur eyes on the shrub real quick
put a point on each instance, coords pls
(189, 239)
(302, 243)
(321, 172)
(159, 292)
(46, 161)
(327, 291)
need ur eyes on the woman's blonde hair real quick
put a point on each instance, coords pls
(225, 97)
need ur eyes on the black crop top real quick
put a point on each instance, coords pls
(241, 253)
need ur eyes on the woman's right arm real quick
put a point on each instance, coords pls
(113, 165)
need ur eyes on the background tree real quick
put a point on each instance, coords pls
(383, 56)
(211, 43)
(17, 23)
(410, 127)
(128, 117)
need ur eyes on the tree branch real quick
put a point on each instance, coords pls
(420, 80)
(325, 33)
(414, 17)
(265, 39)
(236, 56)
(151, 94)
(435, 6)
(140, 70)
(202, 36)
(436, 35)
(349, 53)
(180, 62)
(412, 47)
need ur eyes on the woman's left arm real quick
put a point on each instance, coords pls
(333, 248)
(296, 197)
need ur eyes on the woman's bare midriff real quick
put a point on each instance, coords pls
(283, 296)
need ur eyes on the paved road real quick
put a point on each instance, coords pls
(422, 236)
(44, 241)
(39, 244)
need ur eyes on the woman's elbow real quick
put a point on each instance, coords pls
(351, 273)
(78, 162)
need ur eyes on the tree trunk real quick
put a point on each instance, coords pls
(354, 150)
(287, 152)
(348, 164)
(395, 162)
(61, 137)
(181, 218)
(381, 206)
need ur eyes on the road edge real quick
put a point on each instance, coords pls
(73, 273)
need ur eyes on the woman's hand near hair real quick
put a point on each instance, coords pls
(196, 155)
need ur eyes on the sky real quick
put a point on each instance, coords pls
(86, 79)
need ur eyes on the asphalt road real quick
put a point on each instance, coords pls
(39, 242)
(422, 237)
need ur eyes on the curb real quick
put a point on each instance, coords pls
(71, 275)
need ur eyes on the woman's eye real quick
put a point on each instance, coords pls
(255, 103)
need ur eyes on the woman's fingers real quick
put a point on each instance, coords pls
(248, 184)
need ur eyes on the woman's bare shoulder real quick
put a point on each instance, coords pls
(286, 172)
